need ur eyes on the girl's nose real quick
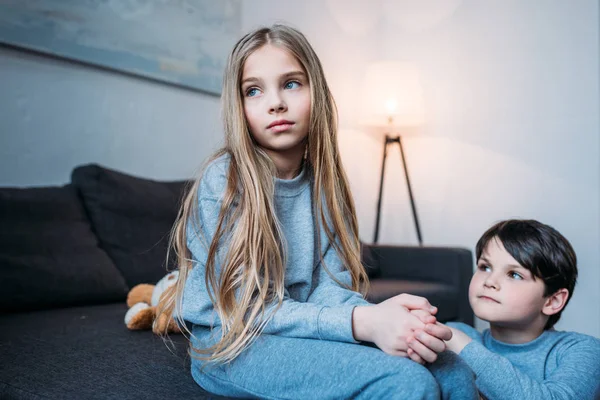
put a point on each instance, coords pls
(277, 105)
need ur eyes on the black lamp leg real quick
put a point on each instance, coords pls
(385, 144)
(410, 193)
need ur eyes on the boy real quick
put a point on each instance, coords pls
(526, 273)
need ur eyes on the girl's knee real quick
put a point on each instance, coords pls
(420, 381)
(404, 380)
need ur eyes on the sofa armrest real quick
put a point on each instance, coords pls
(448, 265)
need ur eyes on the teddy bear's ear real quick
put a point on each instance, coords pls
(141, 293)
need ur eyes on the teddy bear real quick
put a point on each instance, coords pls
(143, 301)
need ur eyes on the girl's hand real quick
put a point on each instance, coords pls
(414, 356)
(390, 323)
(414, 303)
(420, 307)
(426, 318)
(432, 327)
(426, 344)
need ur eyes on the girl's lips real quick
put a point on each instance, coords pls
(281, 127)
(279, 122)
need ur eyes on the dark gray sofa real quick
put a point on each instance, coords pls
(69, 255)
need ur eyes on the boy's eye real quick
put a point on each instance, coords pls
(484, 267)
(292, 85)
(251, 92)
(515, 275)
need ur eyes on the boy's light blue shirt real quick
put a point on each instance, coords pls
(556, 365)
(315, 306)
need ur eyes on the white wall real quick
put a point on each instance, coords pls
(512, 93)
(55, 115)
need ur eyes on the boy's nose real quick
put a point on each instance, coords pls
(490, 282)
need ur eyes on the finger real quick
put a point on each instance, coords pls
(397, 353)
(410, 322)
(423, 351)
(431, 342)
(415, 357)
(416, 302)
(413, 323)
(438, 330)
(424, 316)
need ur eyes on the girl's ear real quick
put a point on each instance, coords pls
(556, 302)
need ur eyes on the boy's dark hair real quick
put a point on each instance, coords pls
(542, 250)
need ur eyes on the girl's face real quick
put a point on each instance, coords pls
(276, 97)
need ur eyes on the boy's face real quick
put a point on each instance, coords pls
(503, 292)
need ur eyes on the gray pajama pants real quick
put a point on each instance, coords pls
(276, 367)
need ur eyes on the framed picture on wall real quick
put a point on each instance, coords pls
(181, 42)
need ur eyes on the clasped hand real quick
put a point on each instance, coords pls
(404, 326)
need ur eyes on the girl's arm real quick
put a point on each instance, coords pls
(332, 321)
(326, 290)
(309, 320)
(292, 318)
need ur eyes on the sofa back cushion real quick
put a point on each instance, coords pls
(369, 261)
(132, 218)
(49, 256)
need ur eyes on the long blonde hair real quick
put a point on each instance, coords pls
(252, 271)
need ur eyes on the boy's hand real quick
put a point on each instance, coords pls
(458, 341)
(426, 344)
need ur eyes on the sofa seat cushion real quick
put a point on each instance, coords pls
(132, 217)
(441, 295)
(88, 353)
(49, 256)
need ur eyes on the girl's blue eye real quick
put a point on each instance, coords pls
(252, 92)
(292, 85)
(515, 275)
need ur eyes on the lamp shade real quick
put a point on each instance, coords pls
(392, 95)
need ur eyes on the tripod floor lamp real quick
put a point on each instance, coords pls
(393, 100)
(391, 140)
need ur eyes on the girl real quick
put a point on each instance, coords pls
(268, 249)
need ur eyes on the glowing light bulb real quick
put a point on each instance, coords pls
(391, 106)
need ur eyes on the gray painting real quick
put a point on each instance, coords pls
(183, 42)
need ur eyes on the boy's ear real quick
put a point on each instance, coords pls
(556, 302)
